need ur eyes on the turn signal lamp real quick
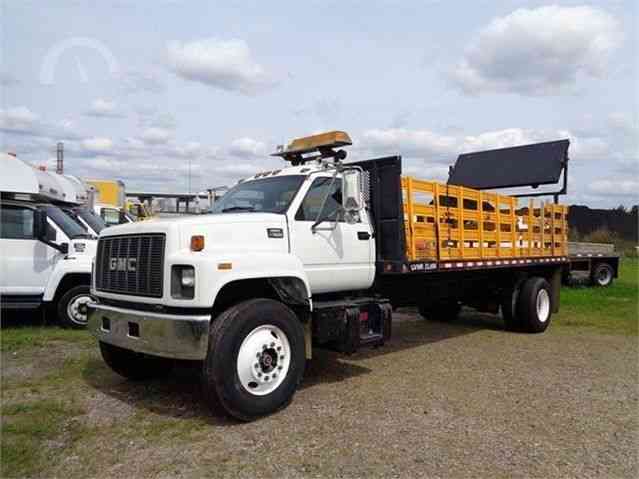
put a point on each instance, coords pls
(197, 243)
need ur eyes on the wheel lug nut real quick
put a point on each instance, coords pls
(282, 356)
(266, 378)
(279, 348)
(272, 345)
(259, 375)
(258, 355)
(257, 365)
(264, 346)
(280, 367)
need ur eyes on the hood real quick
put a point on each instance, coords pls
(225, 231)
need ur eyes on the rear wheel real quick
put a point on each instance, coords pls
(443, 311)
(255, 359)
(508, 306)
(602, 275)
(534, 305)
(132, 365)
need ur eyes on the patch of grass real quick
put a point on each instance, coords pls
(18, 338)
(28, 429)
(611, 310)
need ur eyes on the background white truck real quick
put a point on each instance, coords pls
(45, 256)
(310, 255)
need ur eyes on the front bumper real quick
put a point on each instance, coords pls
(167, 335)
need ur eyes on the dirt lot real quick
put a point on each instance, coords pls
(440, 400)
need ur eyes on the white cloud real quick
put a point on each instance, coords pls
(102, 108)
(539, 51)
(227, 65)
(247, 147)
(616, 187)
(97, 145)
(18, 119)
(139, 81)
(424, 143)
(156, 136)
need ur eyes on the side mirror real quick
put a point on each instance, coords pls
(40, 225)
(51, 235)
(64, 248)
(352, 192)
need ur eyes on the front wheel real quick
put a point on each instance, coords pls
(72, 307)
(255, 359)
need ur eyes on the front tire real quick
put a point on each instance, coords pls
(72, 307)
(132, 365)
(534, 305)
(255, 359)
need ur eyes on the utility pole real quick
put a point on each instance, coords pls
(59, 166)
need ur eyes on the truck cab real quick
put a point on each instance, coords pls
(46, 255)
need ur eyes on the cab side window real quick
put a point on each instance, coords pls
(16, 222)
(312, 204)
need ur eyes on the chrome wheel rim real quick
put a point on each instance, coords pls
(263, 360)
(77, 309)
(543, 305)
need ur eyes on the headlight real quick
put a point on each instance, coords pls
(188, 278)
(182, 282)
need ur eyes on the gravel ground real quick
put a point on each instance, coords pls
(462, 400)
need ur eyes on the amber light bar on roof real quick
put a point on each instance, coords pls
(323, 143)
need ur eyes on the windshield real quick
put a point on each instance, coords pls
(94, 221)
(268, 195)
(67, 224)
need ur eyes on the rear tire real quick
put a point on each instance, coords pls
(534, 305)
(602, 275)
(134, 366)
(72, 309)
(508, 306)
(255, 359)
(442, 311)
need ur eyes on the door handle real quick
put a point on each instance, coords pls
(363, 235)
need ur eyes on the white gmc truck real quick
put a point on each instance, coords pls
(311, 254)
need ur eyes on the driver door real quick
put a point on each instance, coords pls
(337, 256)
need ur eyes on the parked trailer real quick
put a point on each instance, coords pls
(316, 254)
(597, 261)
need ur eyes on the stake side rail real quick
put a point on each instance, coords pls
(448, 224)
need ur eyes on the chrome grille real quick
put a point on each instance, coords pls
(131, 264)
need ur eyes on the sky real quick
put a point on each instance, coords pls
(147, 92)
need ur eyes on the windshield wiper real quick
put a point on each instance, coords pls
(237, 208)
